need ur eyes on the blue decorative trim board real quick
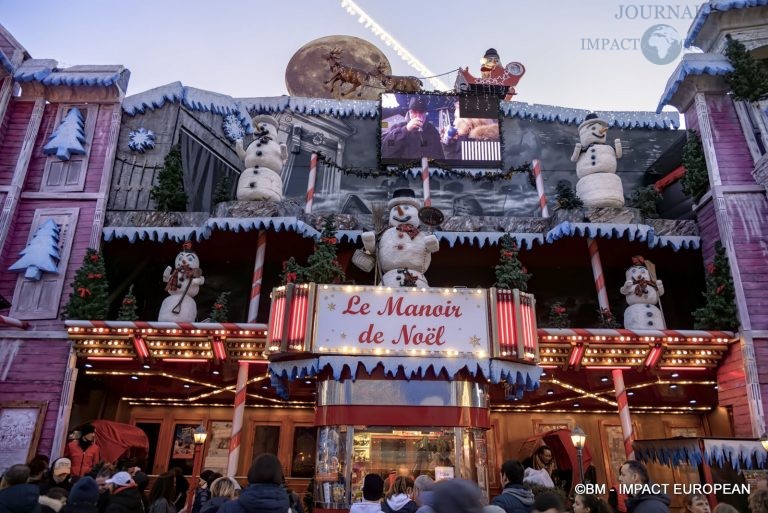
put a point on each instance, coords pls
(716, 6)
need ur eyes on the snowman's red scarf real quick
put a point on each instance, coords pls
(411, 230)
(641, 285)
(586, 148)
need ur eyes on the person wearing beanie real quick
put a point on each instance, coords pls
(18, 496)
(203, 490)
(84, 497)
(373, 489)
(265, 493)
(456, 496)
(413, 138)
(83, 452)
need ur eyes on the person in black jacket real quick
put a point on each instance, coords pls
(124, 495)
(265, 493)
(53, 501)
(415, 137)
(634, 474)
(514, 498)
(84, 497)
(223, 489)
(18, 496)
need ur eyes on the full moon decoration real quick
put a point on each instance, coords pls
(308, 69)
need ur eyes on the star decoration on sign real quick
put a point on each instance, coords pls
(474, 341)
(343, 336)
(331, 307)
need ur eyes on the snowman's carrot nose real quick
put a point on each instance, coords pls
(399, 210)
(603, 130)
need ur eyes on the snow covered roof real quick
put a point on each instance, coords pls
(640, 232)
(716, 6)
(46, 72)
(694, 64)
(198, 99)
(6, 63)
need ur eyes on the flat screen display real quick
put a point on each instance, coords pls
(460, 131)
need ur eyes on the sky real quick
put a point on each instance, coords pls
(241, 48)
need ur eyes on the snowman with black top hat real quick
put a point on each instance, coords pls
(404, 252)
(598, 185)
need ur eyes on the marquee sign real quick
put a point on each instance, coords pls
(386, 320)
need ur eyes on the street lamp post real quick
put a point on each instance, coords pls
(198, 437)
(579, 438)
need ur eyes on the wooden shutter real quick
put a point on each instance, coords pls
(40, 299)
(69, 175)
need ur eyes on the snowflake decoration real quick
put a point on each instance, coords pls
(141, 140)
(233, 127)
(319, 138)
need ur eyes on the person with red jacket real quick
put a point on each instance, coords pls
(83, 452)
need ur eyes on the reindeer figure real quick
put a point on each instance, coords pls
(345, 74)
(397, 83)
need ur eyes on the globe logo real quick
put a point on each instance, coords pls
(661, 44)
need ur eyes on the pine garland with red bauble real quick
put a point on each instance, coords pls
(558, 316)
(322, 266)
(220, 309)
(510, 273)
(719, 312)
(127, 310)
(606, 319)
(88, 299)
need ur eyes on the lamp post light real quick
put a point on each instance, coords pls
(579, 438)
(198, 436)
(764, 440)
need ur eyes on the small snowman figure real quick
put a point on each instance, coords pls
(404, 252)
(598, 185)
(264, 159)
(183, 283)
(642, 291)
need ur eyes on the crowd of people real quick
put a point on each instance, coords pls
(79, 484)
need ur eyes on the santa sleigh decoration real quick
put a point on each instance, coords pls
(494, 78)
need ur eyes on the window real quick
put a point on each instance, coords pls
(266, 439)
(303, 458)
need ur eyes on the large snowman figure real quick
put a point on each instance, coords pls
(404, 252)
(598, 185)
(264, 159)
(183, 283)
(642, 291)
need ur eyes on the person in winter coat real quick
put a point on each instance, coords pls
(634, 474)
(84, 497)
(38, 467)
(162, 494)
(457, 496)
(83, 452)
(265, 493)
(182, 487)
(514, 498)
(203, 491)
(399, 497)
(373, 489)
(124, 495)
(223, 489)
(60, 476)
(18, 496)
(53, 500)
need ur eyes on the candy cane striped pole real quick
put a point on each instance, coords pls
(425, 181)
(626, 421)
(311, 183)
(597, 272)
(237, 420)
(540, 188)
(258, 272)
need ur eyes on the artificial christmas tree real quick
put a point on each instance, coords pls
(719, 312)
(749, 78)
(645, 200)
(41, 254)
(168, 192)
(558, 317)
(510, 273)
(69, 137)
(220, 310)
(292, 272)
(322, 265)
(223, 191)
(127, 310)
(695, 181)
(566, 197)
(88, 299)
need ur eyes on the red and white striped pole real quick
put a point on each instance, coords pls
(311, 183)
(258, 272)
(597, 273)
(425, 181)
(624, 417)
(237, 420)
(540, 188)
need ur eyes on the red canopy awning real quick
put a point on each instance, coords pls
(115, 438)
(562, 449)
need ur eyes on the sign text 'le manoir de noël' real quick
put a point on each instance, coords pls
(367, 318)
